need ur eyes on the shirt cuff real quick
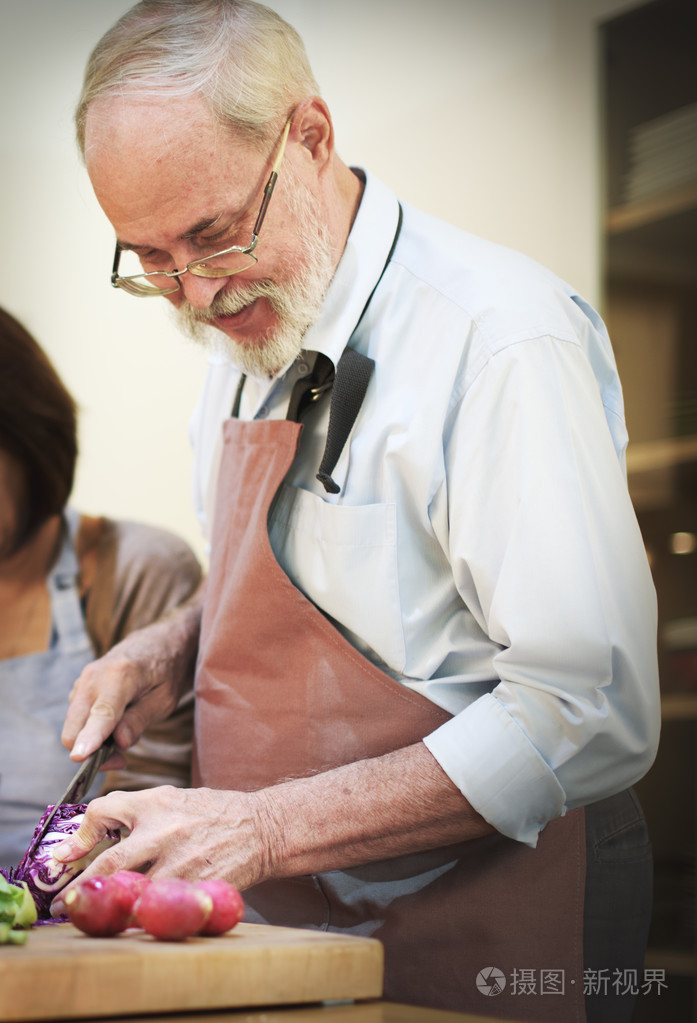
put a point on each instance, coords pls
(498, 770)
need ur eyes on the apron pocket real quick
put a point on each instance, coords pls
(317, 543)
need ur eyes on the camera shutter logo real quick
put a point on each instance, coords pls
(490, 981)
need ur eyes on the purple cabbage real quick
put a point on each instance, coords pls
(44, 875)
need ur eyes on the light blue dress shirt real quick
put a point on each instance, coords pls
(483, 549)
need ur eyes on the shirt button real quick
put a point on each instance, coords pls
(263, 412)
(302, 369)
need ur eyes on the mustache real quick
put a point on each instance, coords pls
(232, 302)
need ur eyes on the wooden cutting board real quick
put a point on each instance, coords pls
(62, 973)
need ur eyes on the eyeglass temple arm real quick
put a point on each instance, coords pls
(268, 192)
(117, 260)
(271, 183)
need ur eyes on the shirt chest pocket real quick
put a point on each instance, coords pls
(344, 559)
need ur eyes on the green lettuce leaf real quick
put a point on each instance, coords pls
(17, 912)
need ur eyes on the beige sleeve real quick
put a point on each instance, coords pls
(142, 573)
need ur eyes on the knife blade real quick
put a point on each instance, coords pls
(78, 786)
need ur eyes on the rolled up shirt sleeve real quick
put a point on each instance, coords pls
(511, 787)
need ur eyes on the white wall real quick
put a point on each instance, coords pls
(480, 111)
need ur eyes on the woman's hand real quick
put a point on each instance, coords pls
(136, 683)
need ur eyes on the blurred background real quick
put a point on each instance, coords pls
(564, 128)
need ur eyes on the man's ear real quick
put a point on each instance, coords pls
(312, 127)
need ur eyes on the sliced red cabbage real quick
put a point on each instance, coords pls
(44, 875)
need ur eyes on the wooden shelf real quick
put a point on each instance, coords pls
(679, 706)
(679, 963)
(647, 456)
(651, 210)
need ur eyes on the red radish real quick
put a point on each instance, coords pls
(134, 882)
(99, 906)
(228, 907)
(173, 909)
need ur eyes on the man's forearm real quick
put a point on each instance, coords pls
(399, 803)
(366, 811)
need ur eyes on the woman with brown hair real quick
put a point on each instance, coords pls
(71, 586)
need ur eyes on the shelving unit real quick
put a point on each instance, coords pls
(649, 90)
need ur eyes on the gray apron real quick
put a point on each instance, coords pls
(35, 767)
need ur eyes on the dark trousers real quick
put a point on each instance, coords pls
(618, 901)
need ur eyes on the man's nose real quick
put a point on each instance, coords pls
(200, 291)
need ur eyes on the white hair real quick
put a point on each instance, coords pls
(243, 59)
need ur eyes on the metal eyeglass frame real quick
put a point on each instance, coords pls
(198, 267)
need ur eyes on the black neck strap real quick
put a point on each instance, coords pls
(350, 384)
(353, 375)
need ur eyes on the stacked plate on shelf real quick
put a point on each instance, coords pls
(662, 154)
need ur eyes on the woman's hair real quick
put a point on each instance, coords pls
(38, 426)
(242, 58)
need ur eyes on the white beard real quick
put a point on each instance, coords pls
(297, 302)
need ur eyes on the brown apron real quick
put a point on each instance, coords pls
(280, 693)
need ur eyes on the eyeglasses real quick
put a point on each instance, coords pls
(220, 264)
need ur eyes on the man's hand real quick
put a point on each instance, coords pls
(191, 833)
(135, 684)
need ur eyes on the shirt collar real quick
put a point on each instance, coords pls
(363, 260)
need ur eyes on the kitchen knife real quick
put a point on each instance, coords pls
(79, 785)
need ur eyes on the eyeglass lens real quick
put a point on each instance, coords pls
(141, 280)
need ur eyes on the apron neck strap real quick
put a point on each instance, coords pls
(352, 378)
(63, 587)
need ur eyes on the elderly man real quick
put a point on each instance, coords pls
(426, 670)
